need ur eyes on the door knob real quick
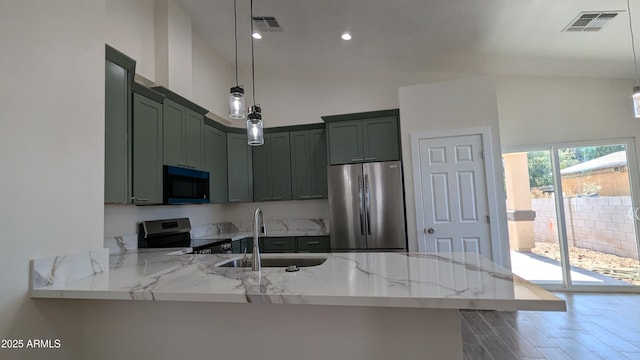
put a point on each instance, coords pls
(430, 230)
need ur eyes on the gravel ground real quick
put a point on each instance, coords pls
(617, 267)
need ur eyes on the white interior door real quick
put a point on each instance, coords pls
(454, 195)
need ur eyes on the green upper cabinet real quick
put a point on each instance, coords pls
(183, 137)
(380, 137)
(345, 142)
(272, 168)
(363, 137)
(147, 150)
(119, 71)
(215, 162)
(173, 133)
(194, 140)
(308, 164)
(319, 159)
(239, 168)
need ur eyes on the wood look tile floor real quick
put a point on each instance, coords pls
(595, 326)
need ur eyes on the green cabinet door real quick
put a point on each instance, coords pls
(278, 244)
(183, 136)
(261, 170)
(116, 169)
(272, 168)
(313, 244)
(192, 143)
(241, 246)
(215, 162)
(280, 163)
(239, 168)
(345, 142)
(380, 137)
(173, 132)
(318, 150)
(308, 164)
(301, 165)
(147, 151)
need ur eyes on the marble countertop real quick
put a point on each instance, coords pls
(413, 280)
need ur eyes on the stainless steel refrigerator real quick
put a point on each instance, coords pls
(366, 206)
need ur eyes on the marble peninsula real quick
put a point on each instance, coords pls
(393, 295)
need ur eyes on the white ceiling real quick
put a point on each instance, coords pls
(469, 36)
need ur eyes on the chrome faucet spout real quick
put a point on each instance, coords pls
(258, 227)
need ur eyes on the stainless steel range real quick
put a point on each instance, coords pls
(176, 233)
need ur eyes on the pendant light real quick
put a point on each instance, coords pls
(236, 95)
(636, 88)
(255, 134)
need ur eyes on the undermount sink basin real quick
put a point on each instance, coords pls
(267, 261)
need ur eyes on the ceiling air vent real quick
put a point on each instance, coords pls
(266, 23)
(591, 21)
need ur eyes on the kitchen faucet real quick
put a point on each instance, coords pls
(258, 224)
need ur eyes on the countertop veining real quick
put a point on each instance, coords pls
(414, 280)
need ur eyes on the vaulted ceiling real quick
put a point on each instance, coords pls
(467, 36)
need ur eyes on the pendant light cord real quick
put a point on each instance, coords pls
(235, 29)
(253, 70)
(633, 42)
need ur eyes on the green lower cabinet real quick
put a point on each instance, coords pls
(284, 244)
(313, 244)
(278, 244)
(239, 246)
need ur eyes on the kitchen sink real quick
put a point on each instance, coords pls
(279, 261)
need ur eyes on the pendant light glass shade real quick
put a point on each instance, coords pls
(255, 133)
(636, 89)
(236, 94)
(636, 101)
(236, 103)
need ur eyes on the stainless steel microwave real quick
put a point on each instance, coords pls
(185, 186)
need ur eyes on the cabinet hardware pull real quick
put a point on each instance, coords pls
(317, 196)
(141, 199)
(371, 158)
(306, 197)
(356, 159)
(313, 242)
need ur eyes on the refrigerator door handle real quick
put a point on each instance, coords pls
(360, 200)
(367, 203)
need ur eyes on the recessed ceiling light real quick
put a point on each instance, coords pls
(346, 36)
(256, 35)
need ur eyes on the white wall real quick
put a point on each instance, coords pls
(52, 156)
(541, 110)
(173, 47)
(458, 104)
(212, 79)
(129, 27)
(291, 95)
